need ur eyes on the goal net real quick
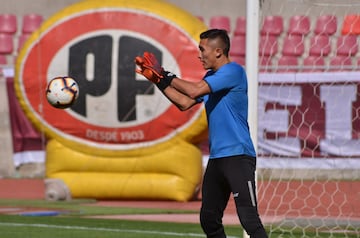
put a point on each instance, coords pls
(309, 118)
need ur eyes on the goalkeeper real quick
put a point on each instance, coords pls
(232, 161)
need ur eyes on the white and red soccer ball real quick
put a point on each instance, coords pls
(62, 92)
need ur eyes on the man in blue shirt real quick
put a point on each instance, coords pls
(232, 161)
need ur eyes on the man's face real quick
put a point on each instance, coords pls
(207, 53)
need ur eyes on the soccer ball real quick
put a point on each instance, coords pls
(62, 92)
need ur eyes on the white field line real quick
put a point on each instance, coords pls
(104, 229)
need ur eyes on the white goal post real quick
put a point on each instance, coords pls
(252, 39)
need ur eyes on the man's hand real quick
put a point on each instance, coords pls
(149, 67)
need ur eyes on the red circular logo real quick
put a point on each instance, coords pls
(116, 107)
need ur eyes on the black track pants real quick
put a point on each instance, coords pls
(225, 176)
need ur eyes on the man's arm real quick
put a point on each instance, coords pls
(184, 94)
(191, 89)
(180, 100)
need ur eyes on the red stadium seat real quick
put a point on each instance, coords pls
(238, 45)
(287, 64)
(220, 22)
(268, 45)
(8, 23)
(272, 25)
(293, 45)
(299, 25)
(320, 45)
(265, 64)
(21, 40)
(326, 25)
(340, 63)
(31, 22)
(6, 44)
(240, 26)
(347, 45)
(238, 59)
(3, 59)
(313, 64)
(351, 25)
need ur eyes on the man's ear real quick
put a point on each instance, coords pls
(219, 52)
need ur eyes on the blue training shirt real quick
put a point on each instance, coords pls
(227, 112)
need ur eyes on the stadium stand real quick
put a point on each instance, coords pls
(272, 25)
(6, 43)
(265, 64)
(240, 26)
(220, 22)
(8, 23)
(268, 45)
(351, 24)
(320, 45)
(313, 64)
(31, 22)
(325, 25)
(347, 45)
(325, 39)
(293, 45)
(21, 40)
(340, 63)
(287, 63)
(238, 59)
(238, 45)
(299, 25)
(3, 60)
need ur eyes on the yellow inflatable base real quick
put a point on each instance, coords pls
(170, 174)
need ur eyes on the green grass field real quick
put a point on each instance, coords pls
(59, 227)
(73, 222)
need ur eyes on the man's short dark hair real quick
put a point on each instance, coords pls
(221, 34)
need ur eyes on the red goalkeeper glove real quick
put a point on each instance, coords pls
(149, 67)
